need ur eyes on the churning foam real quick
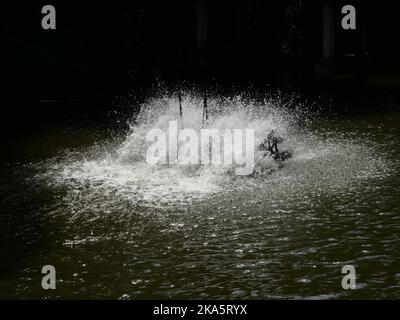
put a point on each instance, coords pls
(320, 162)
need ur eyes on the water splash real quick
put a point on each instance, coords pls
(322, 163)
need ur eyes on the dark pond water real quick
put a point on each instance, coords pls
(115, 227)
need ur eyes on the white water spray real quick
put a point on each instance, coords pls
(319, 164)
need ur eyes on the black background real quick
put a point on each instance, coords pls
(108, 56)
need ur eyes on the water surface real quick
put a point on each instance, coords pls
(116, 227)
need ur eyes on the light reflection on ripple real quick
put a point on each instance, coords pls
(170, 232)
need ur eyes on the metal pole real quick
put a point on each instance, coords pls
(180, 103)
(205, 109)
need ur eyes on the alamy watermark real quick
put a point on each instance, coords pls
(349, 280)
(209, 146)
(49, 20)
(49, 280)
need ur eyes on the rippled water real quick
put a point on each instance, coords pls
(116, 227)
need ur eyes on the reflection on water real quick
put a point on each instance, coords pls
(115, 227)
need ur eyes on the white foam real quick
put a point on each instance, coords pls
(123, 172)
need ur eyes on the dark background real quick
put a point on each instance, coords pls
(63, 88)
(102, 51)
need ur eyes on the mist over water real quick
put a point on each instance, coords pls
(127, 229)
(321, 163)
